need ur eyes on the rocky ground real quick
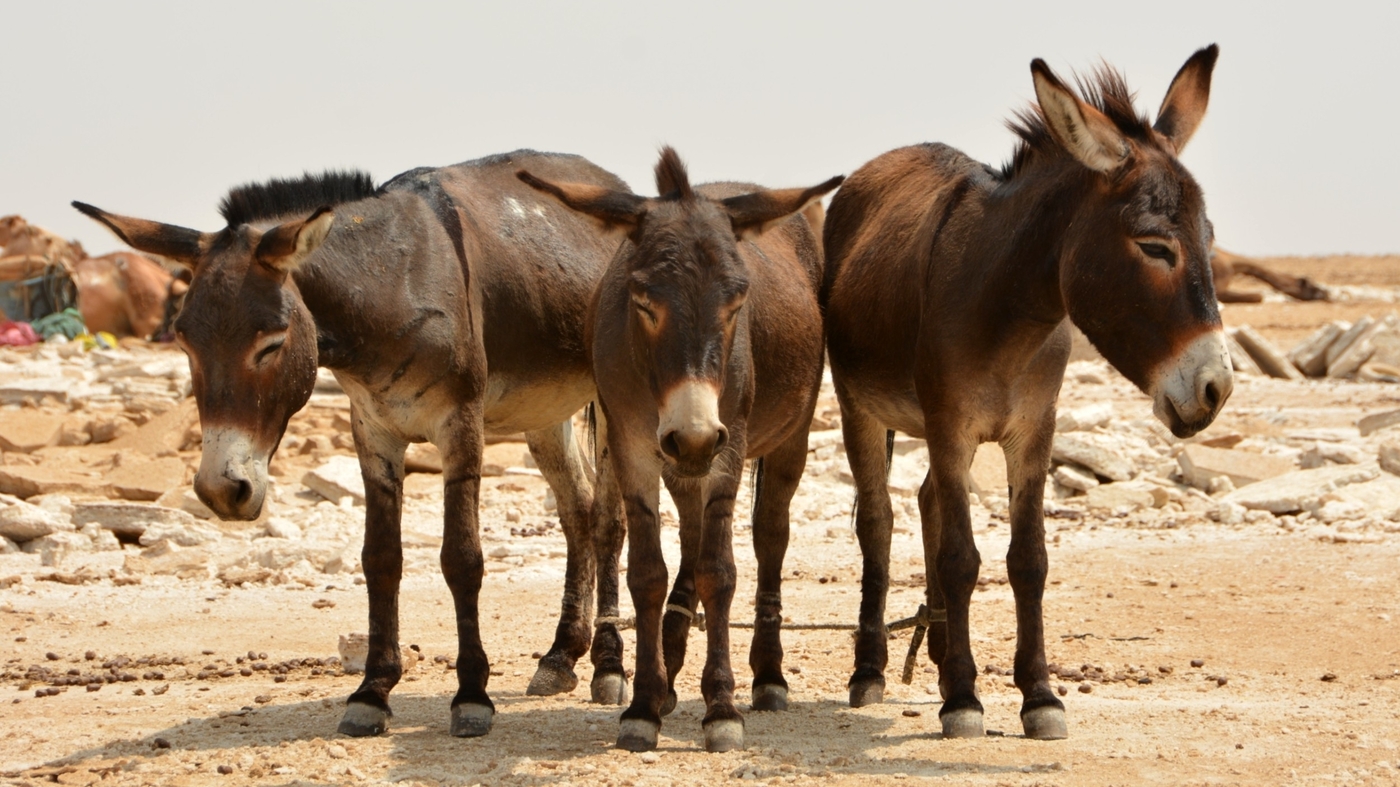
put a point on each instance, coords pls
(1220, 611)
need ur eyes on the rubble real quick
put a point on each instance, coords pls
(1200, 464)
(338, 478)
(1265, 354)
(1310, 355)
(129, 520)
(1094, 451)
(1300, 490)
(21, 521)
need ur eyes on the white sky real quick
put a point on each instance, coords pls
(155, 109)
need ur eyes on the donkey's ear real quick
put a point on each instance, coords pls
(751, 214)
(178, 244)
(1186, 99)
(617, 210)
(286, 246)
(1085, 132)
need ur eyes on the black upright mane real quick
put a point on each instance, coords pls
(1104, 90)
(278, 198)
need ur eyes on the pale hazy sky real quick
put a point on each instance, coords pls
(155, 109)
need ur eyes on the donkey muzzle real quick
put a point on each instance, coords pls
(689, 430)
(1191, 388)
(232, 477)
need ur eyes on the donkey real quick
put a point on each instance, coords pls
(707, 348)
(947, 294)
(450, 304)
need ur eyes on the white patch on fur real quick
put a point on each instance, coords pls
(691, 407)
(515, 207)
(1179, 382)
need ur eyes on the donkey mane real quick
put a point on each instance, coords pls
(279, 198)
(672, 181)
(1104, 90)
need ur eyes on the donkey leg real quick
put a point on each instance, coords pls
(463, 567)
(680, 605)
(560, 459)
(714, 581)
(1028, 459)
(958, 563)
(932, 530)
(609, 685)
(778, 476)
(865, 450)
(646, 579)
(381, 465)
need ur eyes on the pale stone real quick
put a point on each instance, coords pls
(35, 389)
(1084, 418)
(1240, 359)
(25, 431)
(1378, 421)
(338, 478)
(279, 527)
(988, 470)
(54, 548)
(833, 438)
(1338, 510)
(190, 534)
(1347, 362)
(167, 557)
(1264, 353)
(1310, 355)
(1387, 349)
(1132, 496)
(1389, 456)
(102, 540)
(130, 520)
(422, 458)
(1076, 478)
(1199, 464)
(8, 547)
(1348, 337)
(1320, 453)
(21, 521)
(1092, 452)
(147, 479)
(1227, 513)
(25, 481)
(1373, 371)
(354, 651)
(1301, 489)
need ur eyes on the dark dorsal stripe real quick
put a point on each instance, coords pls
(280, 199)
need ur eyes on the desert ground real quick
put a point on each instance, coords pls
(1220, 610)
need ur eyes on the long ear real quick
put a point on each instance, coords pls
(1186, 99)
(751, 214)
(617, 210)
(286, 246)
(1085, 132)
(179, 244)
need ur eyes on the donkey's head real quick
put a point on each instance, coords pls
(1135, 260)
(687, 285)
(250, 339)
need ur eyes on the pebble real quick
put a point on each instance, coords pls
(1328, 677)
(336, 752)
(1085, 687)
(1198, 662)
(650, 757)
(913, 714)
(225, 769)
(161, 743)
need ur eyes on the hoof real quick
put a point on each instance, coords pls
(471, 721)
(1046, 723)
(670, 703)
(609, 689)
(549, 681)
(867, 692)
(965, 723)
(724, 735)
(362, 720)
(637, 735)
(770, 697)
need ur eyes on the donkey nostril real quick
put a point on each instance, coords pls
(243, 493)
(1212, 395)
(670, 447)
(721, 437)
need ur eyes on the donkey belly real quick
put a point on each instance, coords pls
(515, 405)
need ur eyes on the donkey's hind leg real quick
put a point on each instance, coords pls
(560, 459)
(776, 479)
(865, 450)
(609, 685)
(381, 465)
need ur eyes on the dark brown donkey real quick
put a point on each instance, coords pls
(707, 348)
(450, 304)
(948, 292)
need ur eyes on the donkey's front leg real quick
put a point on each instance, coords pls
(461, 443)
(560, 459)
(381, 465)
(714, 581)
(646, 579)
(957, 565)
(1027, 461)
(680, 605)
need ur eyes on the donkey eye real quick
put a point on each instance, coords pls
(267, 351)
(1159, 251)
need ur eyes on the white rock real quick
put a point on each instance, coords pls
(8, 547)
(337, 479)
(1075, 478)
(1228, 513)
(279, 527)
(1264, 353)
(130, 520)
(1131, 495)
(354, 651)
(191, 534)
(21, 521)
(1337, 510)
(1300, 490)
(1347, 339)
(60, 506)
(54, 548)
(1084, 418)
(1310, 355)
(102, 540)
(17, 391)
(1099, 453)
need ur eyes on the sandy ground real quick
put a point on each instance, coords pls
(1298, 641)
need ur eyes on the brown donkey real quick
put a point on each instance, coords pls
(707, 348)
(947, 291)
(449, 303)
